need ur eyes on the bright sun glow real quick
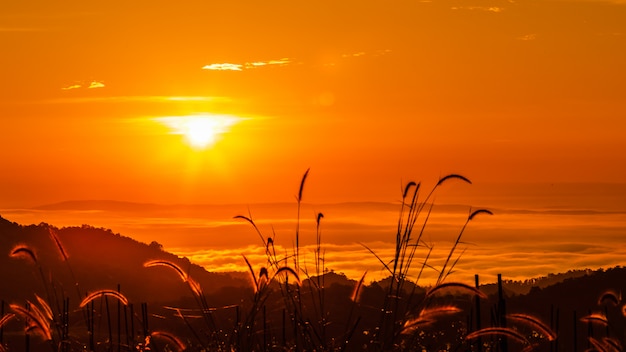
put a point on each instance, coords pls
(200, 131)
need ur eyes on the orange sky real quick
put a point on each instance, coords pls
(369, 94)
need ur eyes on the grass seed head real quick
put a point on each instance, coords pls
(120, 297)
(24, 252)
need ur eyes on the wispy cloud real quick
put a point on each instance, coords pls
(79, 85)
(246, 66)
(286, 61)
(280, 62)
(73, 86)
(479, 8)
(95, 84)
(223, 67)
(359, 54)
(527, 37)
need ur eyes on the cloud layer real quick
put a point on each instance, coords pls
(517, 244)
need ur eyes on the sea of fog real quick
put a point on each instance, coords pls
(533, 231)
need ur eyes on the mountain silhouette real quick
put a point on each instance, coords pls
(96, 259)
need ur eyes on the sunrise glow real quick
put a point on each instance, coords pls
(200, 131)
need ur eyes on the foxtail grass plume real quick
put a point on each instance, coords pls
(253, 279)
(453, 176)
(535, 323)
(613, 344)
(43, 314)
(263, 276)
(180, 346)
(606, 345)
(287, 270)
(428, 316)
(479, 211)
(120, 297)
(169, 264)
(306, 173)
(494, 331)
(6, 318)
(35, 321)
(45, 306)
(320, 216)
(432, 312)
(299, 199)
(455, 285)
(597, 318)
(195, 287)
(22, 251)
(407, 188)
(356, 293)
(610, 297)
(263, 273)
(597, 344)
(58, 243)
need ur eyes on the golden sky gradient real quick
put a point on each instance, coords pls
(368, 94)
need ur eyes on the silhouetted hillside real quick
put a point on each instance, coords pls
(96, 259)
(567, 302)
(523, 287)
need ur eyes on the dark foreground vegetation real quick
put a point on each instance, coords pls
(87, 289)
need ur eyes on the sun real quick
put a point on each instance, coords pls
(200, 131)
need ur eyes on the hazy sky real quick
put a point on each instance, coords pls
(369, 94)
